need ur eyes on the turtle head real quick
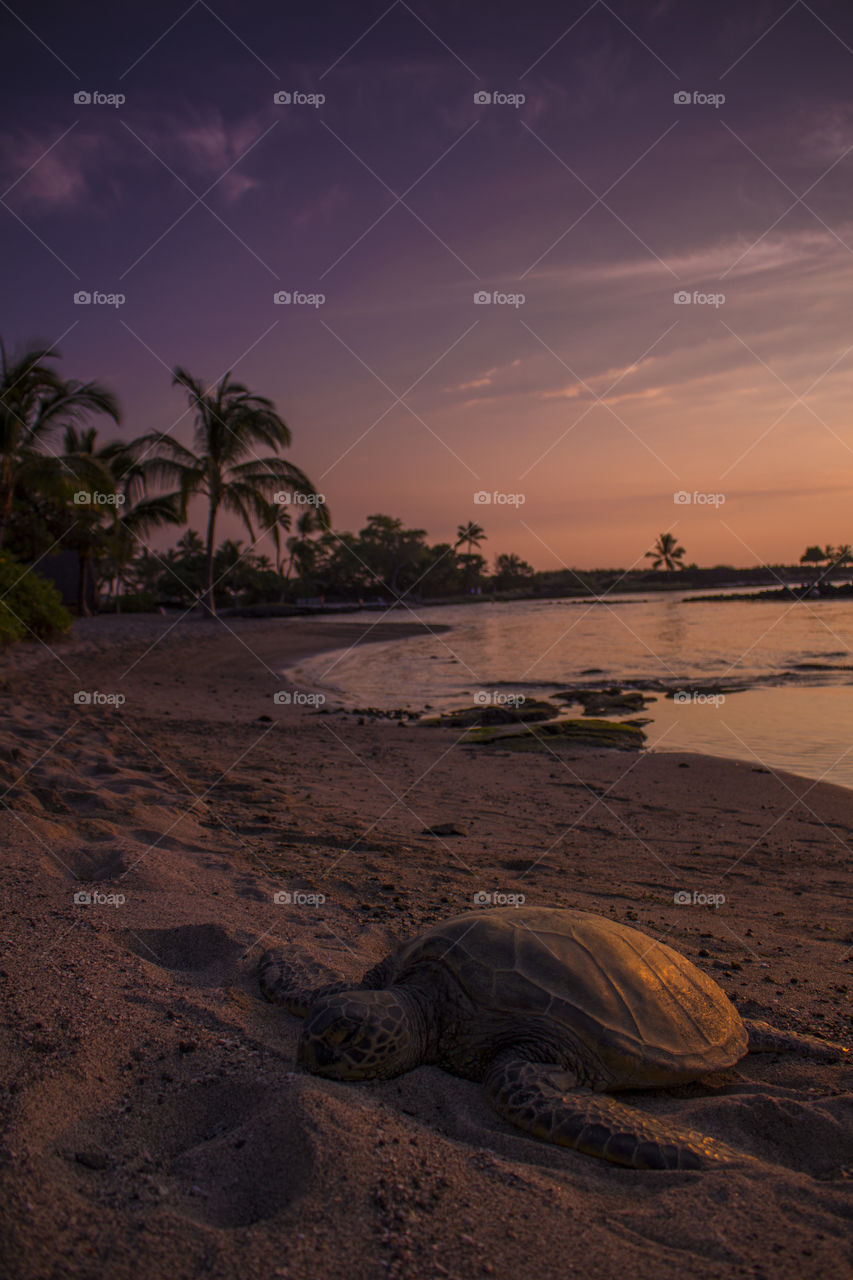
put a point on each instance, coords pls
(356, 1035)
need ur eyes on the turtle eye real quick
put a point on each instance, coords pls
(341, 1036)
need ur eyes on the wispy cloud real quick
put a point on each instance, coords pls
(74, 172)
(47, 174)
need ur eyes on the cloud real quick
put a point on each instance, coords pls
(754, 254)
(212, 147)
(482, 380)
(596, 386)
(45, 171)
(50, 172)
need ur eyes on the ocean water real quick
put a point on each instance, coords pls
(797, 713)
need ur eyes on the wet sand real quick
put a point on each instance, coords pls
(154, 1118)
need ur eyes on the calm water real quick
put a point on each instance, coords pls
(798, 718)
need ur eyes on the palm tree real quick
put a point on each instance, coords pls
(302, 547)
(511, 571)
(471, 534)
(472, 564)
(114, 527)
(230, 422)
(133, 519)
(34, 402)
(666, 552)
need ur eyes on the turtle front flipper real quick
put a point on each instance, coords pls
(296, 979)
(766, 1039)
(546, 1100)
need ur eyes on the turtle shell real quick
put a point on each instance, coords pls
(639, 1012)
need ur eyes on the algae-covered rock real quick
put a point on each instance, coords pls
(621, 736)
(532, 709)
(598, 702)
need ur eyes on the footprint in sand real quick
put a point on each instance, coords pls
(204, 953)
(225, 1154)
(91, 864)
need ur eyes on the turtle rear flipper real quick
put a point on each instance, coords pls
(547, 1101)
(766, 1039)
(295, 980)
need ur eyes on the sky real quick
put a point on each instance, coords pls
(653, 198)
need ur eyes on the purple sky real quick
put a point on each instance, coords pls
(400, 197)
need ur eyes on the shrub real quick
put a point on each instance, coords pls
(30, 606)
(132, 602)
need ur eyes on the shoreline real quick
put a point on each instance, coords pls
(155, 1116)
(812, 759)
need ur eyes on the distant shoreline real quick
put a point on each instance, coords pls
(719, 591)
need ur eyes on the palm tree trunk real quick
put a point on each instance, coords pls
(208, 601)
(7, 492)
(82, 584)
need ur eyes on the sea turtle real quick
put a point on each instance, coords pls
(552, 1009)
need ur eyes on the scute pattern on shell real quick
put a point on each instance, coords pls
(636, 1005)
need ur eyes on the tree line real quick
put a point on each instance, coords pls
(62, 487)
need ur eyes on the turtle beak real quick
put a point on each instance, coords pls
(314, 1056)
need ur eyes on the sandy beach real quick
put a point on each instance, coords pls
(155, 1121)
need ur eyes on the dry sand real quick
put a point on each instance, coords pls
(155, 1123)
